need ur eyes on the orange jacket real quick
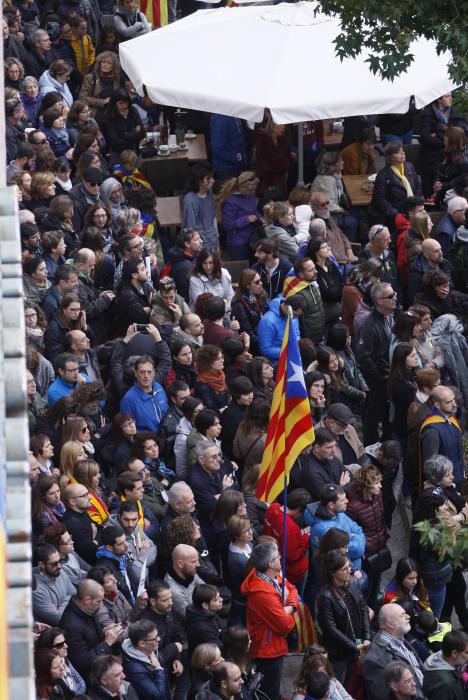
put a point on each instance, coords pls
(267, 622)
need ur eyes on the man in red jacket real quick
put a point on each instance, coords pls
(270, 618)
(297, 541)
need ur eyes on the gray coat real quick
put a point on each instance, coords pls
(447, 334)
(379, 655)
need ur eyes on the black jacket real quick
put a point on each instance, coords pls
(373, 347)
(79, 525)
(13, 139)
(170, 631)
(389, 192)
(335, 620)
(97, 308)
(142, 344)
(122, 133)
(85, 638)
(35, 64)
(211, 398)
(81, 204)
(273, 285)
(312, 474)
(230, 420)
(181, 266)
(129, 304)
(432, 136)
(202, 627)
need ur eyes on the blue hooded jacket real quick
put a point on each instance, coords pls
(270, 331)
(320, 522)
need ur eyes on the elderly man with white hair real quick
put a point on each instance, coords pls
(453, 219)
(387, 646)
(378, 248)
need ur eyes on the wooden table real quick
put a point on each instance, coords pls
(196, 150)
(353, 186)
(169, 211)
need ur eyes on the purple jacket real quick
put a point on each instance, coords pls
(235, 212)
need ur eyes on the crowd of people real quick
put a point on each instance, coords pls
(157, 571)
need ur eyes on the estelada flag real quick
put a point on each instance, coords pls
(156, 12)
(290, 429)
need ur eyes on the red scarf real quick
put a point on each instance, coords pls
(214, 378)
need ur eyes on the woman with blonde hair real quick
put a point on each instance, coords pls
(71, 453)
(420, 229)
(76, 428)
(279, 219)
(42, 190)
(205, 658)
(237, 205)
(88, 474)
(100, 83)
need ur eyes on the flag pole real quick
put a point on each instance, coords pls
(283, 558)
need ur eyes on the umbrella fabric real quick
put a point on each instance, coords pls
(237, 61)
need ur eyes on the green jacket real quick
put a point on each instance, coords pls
(313, 321)
(441, 680)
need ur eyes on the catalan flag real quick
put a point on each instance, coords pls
(290, 429)
(156, 12)
(293, 285)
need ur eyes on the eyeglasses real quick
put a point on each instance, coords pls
(83, 495)
(152, 639)
(93, 184)
(59, 645)
(393, 295)
(85, 429)
(33, 314)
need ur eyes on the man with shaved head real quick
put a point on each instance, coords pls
(430, 258)
(78, 523)
(441, 433)
(96, 304)
(389, 645)
(86, 638)
(182, 578)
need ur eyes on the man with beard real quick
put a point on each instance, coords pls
(53, 587)
(312, 324)
(389, 645)
(442, 678)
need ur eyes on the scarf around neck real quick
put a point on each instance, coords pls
(214, 378)
(400, 173)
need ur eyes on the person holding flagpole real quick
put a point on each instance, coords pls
(270, 615)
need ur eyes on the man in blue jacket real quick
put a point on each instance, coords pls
(270, 332)
(141, 662)
(330, 512)
(146, 402)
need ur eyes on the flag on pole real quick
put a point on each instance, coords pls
(290, 429)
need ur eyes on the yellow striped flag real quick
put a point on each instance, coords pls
(290, 429)
(293, 285)
(156, 12)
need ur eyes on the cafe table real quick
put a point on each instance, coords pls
(354, 185)
(196, 150)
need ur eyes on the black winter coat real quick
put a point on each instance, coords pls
(335, 620)
(373, 347)
(202, 627)
(85, 638)
(122, 132)
(130, 305)
(312, 474)
(389, 193)
(170, 631)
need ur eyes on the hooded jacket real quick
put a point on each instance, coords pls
(448, 334)
(441, 680)
(47, 83)
(273, 285)
(270, 330)
(118, 566)
(267, 622)
(150, 683)
(320, 521)
(287, 246)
